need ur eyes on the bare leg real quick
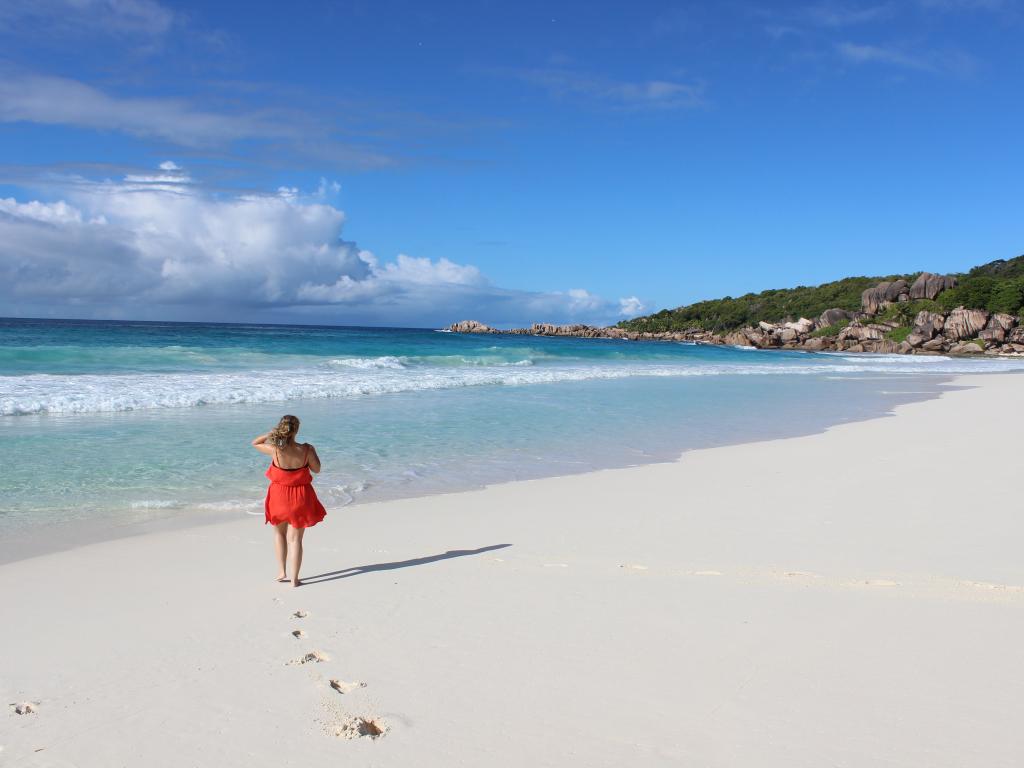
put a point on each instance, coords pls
(295, 545)
(281, 550)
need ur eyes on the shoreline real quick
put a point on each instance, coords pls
(847, 597)
(25, 543)
(960, 332)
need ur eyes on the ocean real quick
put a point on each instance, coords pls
(113, 423)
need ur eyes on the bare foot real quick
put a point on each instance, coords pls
(296, 582)
(282, 576)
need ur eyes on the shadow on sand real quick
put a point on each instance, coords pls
(356, 570)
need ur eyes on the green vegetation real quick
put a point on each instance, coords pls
(771, 306)
(898, 334)
(829, 330)
(997, 286)
(905, 312)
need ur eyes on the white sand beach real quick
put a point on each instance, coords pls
(852, 598)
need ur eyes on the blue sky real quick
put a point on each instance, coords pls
(408, 163)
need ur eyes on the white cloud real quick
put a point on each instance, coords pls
(162, 246)
(834, 14)
(277, 133)
(62, 101)
(630, 306)
(641, 94)
(137, 18)
(873, 53)
(962, 5)
(327, 188)
(172, 178)
(954, 62)
(51, 213)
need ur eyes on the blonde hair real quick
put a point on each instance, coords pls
(284, 432)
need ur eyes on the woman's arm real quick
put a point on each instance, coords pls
(260, 444)
(314, 460)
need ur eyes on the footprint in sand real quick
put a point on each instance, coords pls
(298, 634)
(25, 708)
(314, 657)
(342, 687)
(300, 614)
(356, 727)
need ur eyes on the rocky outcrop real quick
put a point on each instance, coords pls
(999, 328)
(964, 323)
(471, 326)
(801, 326)
(817, 344)
(1002, 320)
(967, 348)
(992, 335)
(929, 322)
(886, 347)
(834, 317)
(928, 286)
(584, 331)
(736, 339)
(926, 325)
(857, 332)
(884, 294)
(961, 332)
(790, 334)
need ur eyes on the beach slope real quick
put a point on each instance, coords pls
(852, 598)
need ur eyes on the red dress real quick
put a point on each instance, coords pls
(291, 498)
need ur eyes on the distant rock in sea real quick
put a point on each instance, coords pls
(471, 326)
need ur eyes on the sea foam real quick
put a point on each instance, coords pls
(94, 393)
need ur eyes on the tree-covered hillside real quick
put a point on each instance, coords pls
(997, 286)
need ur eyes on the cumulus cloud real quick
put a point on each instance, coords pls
(630, 306)
(160, 245)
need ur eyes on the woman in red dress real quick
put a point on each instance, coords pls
(292, 505)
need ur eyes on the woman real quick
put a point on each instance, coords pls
(291, 505)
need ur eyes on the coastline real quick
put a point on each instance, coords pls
(894, 320)
(845, 597)
(19, 544)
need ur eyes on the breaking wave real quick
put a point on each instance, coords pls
(355, 377)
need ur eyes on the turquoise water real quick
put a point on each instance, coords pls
(114, 422)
